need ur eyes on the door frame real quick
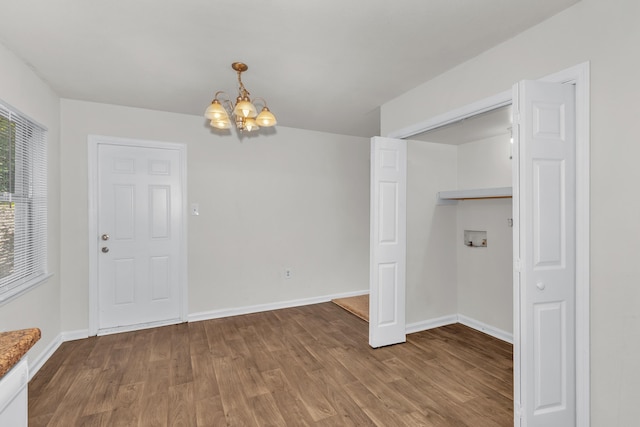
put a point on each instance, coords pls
(94, 141)
(579, 76)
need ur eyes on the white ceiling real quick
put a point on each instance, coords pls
(321, 65)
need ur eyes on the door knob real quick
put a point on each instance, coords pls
(540, 285)
(105, 237)
(105, 249)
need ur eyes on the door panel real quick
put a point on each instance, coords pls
(140, 210)
(544, 120)
(550, 357)
(549, 226)
(388, 242)
(159, 207)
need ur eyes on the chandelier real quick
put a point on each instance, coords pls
(244, 112)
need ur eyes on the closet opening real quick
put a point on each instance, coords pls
(473, 213)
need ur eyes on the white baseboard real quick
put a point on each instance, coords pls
(487, 329)
(464, 320)
(217, 314)
(138, 327)
(431, 323)
(75, 335)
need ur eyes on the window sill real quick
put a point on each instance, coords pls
(23, 288)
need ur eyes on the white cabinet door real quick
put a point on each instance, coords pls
(388, 242)
(140, 224)
(544, 251)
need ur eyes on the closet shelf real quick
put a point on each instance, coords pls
(452, 196)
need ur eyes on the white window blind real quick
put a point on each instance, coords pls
(23, 203)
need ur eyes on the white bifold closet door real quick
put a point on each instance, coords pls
(388, 242)
(544, 253)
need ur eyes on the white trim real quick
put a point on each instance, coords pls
(78, 334)
(138, 327)
(578, 75)
(23, 288)
(228, 312)
(425, 325)
(463, 320)
(583, 221)
(516, 269)
(93, 232)
(487, 329)
(93, 142)
(39, 362)
(491, 103)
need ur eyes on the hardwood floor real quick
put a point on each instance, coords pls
(304, 366)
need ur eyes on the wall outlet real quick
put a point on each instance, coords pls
(288, 273)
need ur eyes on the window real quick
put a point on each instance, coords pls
(23, 203)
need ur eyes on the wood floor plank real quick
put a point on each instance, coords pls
(161, 345)
(303, 366)
(182, 405)
(265, 411)
(372, 405)
(70, 403)
(154, 408)
(236, 407)
(102, 419)
(209, 412)
(348, 413)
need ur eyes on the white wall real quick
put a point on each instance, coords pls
(40, 307)
(485, 163)
(485, 275)
(295, 199)
(606, 33)
(431, 245)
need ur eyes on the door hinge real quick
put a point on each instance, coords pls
(517, 265)
(517, 412)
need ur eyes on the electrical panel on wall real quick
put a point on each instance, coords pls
(475, 239)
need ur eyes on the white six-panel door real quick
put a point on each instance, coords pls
(544, 254)
(139, 224)
(388, 242)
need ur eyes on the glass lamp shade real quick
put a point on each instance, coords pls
(266, 118)
(220, 123)
(244, 108)
(216, 111)
(250, 124)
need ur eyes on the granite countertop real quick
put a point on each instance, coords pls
(14, 345)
